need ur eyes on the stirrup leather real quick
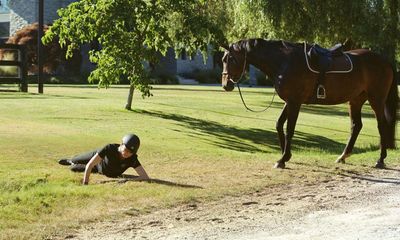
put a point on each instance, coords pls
(321, 93)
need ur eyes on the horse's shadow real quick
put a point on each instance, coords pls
(335, 110)
(359, 175)
(373, 179)
(248, 139)
(127, 177)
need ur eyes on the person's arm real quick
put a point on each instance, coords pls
(142, 173)
(95, 160)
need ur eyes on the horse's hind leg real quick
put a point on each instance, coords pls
(378, 108)
(356, 125)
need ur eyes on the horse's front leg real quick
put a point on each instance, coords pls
(279, 127)
(292, 113)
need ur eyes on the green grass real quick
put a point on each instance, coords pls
(198, 141)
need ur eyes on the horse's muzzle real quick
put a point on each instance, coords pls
(227, 84)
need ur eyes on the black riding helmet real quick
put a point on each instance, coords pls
(131, 142)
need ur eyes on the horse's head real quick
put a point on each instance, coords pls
(234, 63)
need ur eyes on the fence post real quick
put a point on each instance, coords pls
(23, 69)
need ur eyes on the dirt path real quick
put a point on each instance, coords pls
(347, 207)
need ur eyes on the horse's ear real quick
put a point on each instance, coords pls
(225, 46)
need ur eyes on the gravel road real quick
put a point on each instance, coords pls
(349, 206)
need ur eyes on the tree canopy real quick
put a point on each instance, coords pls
(133, 31)
(360, 23)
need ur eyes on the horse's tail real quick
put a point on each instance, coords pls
(391, 109)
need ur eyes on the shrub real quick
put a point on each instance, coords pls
(163, 78)
(205, 76)
(60, 79)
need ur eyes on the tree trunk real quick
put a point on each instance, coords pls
(128, 105)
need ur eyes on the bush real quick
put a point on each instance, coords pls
(60, 79)
(163, 78)
(205, 76)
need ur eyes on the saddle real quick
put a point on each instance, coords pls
(322, 61)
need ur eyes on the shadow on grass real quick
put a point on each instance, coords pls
(277, 105)
(248, 139)
(316, 110)
(127, 177)
(362, 175)
(211, 88)
(9, 90)
(41, 96)
(370, 178)
(333, 110)
(222, 136)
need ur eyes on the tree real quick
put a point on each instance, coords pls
(133, 31)
(361, 23)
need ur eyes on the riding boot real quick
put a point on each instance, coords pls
(65, 161)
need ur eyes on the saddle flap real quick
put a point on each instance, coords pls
(332, 60)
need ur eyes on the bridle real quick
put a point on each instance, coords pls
(243, 70)
(225, 73)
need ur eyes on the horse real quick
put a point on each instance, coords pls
(371, 78)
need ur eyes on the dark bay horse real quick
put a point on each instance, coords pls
(372, 78)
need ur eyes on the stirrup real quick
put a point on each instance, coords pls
(321, 92)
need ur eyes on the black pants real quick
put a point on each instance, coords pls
(80, 161)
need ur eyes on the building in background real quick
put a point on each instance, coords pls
(24, 12)
(4, 21)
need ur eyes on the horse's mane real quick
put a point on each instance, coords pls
(248, 44)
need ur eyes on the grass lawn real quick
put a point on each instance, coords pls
(197, 141)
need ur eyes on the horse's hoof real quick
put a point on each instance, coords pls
(380, 165)
(340, 160)
(279, 165)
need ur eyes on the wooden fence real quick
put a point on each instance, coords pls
(20, 63)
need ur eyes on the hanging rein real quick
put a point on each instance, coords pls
(240, 92)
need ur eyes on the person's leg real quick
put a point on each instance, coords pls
(78, 162)
(83, 158)
(81, 168)
(78, 167)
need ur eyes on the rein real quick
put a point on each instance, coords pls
(251, 110)
(240, 92)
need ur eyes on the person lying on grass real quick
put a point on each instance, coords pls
(112, 160)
